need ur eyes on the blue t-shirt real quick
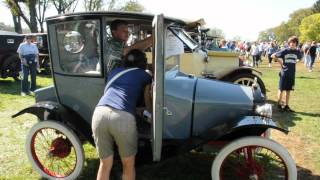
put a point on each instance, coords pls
(289, 57)
(124, 92)
(271, 50)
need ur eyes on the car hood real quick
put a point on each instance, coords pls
(217, 102)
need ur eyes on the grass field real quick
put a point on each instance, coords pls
(303, 141)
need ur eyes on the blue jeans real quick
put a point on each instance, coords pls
(26, 70)
(312, 59)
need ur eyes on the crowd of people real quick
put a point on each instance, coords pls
(254, 52)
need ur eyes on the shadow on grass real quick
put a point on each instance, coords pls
(10, 86)
(305, 77)
(285, 119)
(188, 166)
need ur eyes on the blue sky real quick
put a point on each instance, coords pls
(244, 18)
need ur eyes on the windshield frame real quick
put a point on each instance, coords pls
(184, 37)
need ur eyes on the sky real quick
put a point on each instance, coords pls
(244, 18)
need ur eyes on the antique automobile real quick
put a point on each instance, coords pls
(9, 59)
(188, 111)
(41, 40)
(221, 64)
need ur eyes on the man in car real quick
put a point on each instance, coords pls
(116, 46)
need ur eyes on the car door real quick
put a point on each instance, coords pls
(76, 53)
(158, 88)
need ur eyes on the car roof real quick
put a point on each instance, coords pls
(117, 14)
(9, 33)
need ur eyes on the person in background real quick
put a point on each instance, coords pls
(29, 56)
(255, 54)
(287, 59)
(223, 44)
(313, 53)
(114, 120)
(306, 54)
(271, 50)
(318, 51)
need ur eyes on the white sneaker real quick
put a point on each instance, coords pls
(23, 94)
(31, 93)
(310, 70)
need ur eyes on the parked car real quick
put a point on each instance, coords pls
(188, 111)
(221, 64)
(9, 59)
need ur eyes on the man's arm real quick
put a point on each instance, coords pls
(23, 60)
(148, 97)
(141, 45)
(279, 60)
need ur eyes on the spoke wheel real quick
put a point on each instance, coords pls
(54, 150)
(253, 158)
(247, 79)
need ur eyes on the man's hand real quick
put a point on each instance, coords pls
(24, 61)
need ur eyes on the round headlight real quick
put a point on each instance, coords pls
(264, 110)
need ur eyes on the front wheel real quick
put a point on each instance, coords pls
(54, 150)
(247, 79)
(253, 158)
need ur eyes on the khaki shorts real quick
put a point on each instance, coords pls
(111, 126)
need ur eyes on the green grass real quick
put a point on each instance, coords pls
(303, 141)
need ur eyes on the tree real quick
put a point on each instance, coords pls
(16, 9)
(64, 6)
(295, 20)
(41, 9)
(216, 32)
(316, 7)
(310, 28)
(281, 32)
(266, 35)
(15, 16)
(93, 5)
(5, 27)
(133, 6)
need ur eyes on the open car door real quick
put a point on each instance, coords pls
(158, 88)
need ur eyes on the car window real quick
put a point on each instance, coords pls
(137, 31)
(79, 47)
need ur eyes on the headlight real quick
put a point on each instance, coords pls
(264, 110)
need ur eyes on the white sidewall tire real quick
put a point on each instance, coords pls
(70, 135)
(259, 141)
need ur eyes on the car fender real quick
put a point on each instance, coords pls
(245, 126)
(50, 110)
(232, 72)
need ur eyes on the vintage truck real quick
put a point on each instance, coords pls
(9, 59)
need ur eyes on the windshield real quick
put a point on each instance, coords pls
(184, 37)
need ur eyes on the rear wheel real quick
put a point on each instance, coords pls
(11, 67)
(247, 79)
(254, 158)
(55, 151)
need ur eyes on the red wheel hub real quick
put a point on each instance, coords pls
(60, 147)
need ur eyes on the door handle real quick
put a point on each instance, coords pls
(167, 111)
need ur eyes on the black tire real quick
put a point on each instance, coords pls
(247, 79)
(47, 66)
(11, 67)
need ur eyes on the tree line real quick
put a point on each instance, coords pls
(304, 23)
(32, 12)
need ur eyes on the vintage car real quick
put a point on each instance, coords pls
(221, 64)
(9, 59)
(188, 111)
